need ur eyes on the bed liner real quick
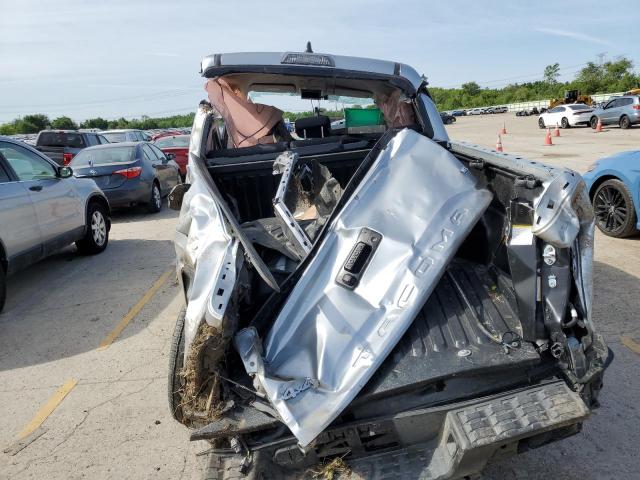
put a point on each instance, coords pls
(444, 326)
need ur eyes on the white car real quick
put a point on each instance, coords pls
(566, 116)
(476, 111)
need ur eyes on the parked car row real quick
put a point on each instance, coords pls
(46, 204)
(623, 111)
(487, 110)
(533, 111)
(43, 208)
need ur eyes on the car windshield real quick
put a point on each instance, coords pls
(60, 139)
(103, 156)
(115, 137)
(177, 141)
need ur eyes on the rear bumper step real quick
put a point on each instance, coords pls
(438, 443)
(473, 434)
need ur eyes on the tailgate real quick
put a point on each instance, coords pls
(54, 153)
(379, 262)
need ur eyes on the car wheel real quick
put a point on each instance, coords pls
(593, 122)
(96, 236)
(565, 123)
(625, 122)
(614, 209)
(3, 287)
(541, 123)
(155, 202)
(176, 361)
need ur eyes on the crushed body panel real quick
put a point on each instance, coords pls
(417, 203)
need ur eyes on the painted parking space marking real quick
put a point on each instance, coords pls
(630, 343)
(48, 408)
(131, 314)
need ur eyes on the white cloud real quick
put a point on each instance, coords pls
(574, 35)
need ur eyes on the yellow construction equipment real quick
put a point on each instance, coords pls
(571, 96)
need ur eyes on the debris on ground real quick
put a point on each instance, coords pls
(201, 392)
(334, 469)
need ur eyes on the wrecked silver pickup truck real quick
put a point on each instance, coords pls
(372, 292)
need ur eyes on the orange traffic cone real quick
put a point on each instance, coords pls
(599, 126)
(499, 145)
(504, 129)
(547, 138)
(556, 132)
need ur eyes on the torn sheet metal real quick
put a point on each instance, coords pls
(564, 218)
(205, 247)
(284, 165)
(329, 339)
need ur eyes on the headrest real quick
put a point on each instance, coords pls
(313, 127)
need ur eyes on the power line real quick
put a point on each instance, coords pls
(168, 112)
(97, 103)
(532, 75)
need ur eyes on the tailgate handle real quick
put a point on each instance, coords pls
(358, 259)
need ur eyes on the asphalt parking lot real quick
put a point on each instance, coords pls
(84, 343)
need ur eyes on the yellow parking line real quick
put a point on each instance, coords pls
(48, 407)
(131, 314)
(630, 343)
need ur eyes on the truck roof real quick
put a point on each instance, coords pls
(310, 63)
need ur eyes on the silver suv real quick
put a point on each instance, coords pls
(43, 208)
(623, 111)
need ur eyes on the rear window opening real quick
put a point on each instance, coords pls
(252, 110)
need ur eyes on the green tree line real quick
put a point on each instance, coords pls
(36, 122)
(613, 76)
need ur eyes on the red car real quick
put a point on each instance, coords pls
(179, 146)
(168, 133)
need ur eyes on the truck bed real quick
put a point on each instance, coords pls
(445, 341)
(447, 337)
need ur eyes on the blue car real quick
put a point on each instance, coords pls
(614, 189)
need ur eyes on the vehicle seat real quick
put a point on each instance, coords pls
(313, 127)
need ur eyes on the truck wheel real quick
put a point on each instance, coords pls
(96, 234)
(614, 209)
(625, 122)
(564, 123)
(593, 122)
(541, 123)
(3, 287)
(155, 202)
(176, 362)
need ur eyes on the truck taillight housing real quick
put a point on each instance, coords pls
(132, 172)
(66, 158)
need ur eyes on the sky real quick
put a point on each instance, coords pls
(113, 58)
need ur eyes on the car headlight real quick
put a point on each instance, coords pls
(592, 167)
